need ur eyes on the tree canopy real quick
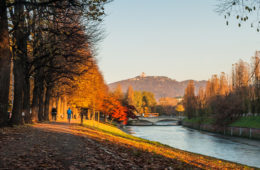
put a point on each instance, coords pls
(243, 11)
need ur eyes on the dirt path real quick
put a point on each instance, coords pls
(63, 146)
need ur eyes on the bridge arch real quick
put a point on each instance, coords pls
(152, 120)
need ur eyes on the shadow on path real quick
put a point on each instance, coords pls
(59, 145)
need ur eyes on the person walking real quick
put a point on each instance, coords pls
(53, 114)
(69, 112)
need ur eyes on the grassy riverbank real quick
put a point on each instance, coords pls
(119, 137)
(245, 122)
(93, 146)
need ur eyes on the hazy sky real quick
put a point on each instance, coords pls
(181, 39)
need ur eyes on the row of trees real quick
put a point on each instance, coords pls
(45, 45)
(88, 94)
(226, 98)
(145, 102)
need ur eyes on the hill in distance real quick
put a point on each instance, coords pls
(161, 86)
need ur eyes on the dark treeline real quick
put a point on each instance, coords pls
(44, 44)
(225, 99)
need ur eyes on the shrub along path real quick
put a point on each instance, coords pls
(70, 146)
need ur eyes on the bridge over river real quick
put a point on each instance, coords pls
(158, 121)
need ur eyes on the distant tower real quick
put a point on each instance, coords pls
(143, 75)
(257, 53)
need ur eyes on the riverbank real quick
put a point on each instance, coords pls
(94, 145)
(197, 160)
(247, 127)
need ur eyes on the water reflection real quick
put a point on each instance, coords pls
(234, 149)
(166, 123)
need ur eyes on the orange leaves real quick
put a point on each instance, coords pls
(114, 108)
(89, 89)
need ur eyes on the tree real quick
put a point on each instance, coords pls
(179, 108)
(223, 84)
(148, 101)
(138, 101)
(118, 93)
(190, 100)
(130, 96)
(5, 58)
(47, 37)
(241, 10)
(201, 102)
(241, 74)
(214, 88)
(226, 109)
(113, 108)
(254, 90)
(256, 74)
(20, 56)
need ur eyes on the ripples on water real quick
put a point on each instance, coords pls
(244, 151)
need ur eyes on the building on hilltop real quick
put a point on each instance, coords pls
(143, 75)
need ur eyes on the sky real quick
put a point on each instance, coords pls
(180, 39)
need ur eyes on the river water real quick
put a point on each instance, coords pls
(240, 150)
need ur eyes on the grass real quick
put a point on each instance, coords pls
(118, 137)
(248, 122)
(113, 130)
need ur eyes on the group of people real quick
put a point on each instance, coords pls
(54, 114)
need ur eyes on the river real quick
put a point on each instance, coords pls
(240, 150)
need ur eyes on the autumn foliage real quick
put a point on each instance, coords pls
(226, 98)
(113, 108)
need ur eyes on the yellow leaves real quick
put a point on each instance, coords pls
(180, 108)
(89, 89)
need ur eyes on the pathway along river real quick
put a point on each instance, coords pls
(244, 151)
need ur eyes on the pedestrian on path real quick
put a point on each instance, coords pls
(54, 114)
(69, 112)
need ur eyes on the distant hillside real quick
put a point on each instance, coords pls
(161, 86)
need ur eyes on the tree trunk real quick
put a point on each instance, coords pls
(26, 100)
(65, 105)
(35, 102)
(20, 54)
(62, 106)
(60, 109)
(4, 64)
(111, 120)
(41, 105)
(47, 103)
(89, 114)
(18, 93)
(57, 107)
(94, 115)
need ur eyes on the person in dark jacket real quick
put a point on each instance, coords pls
(54, 113)
(69, 112)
